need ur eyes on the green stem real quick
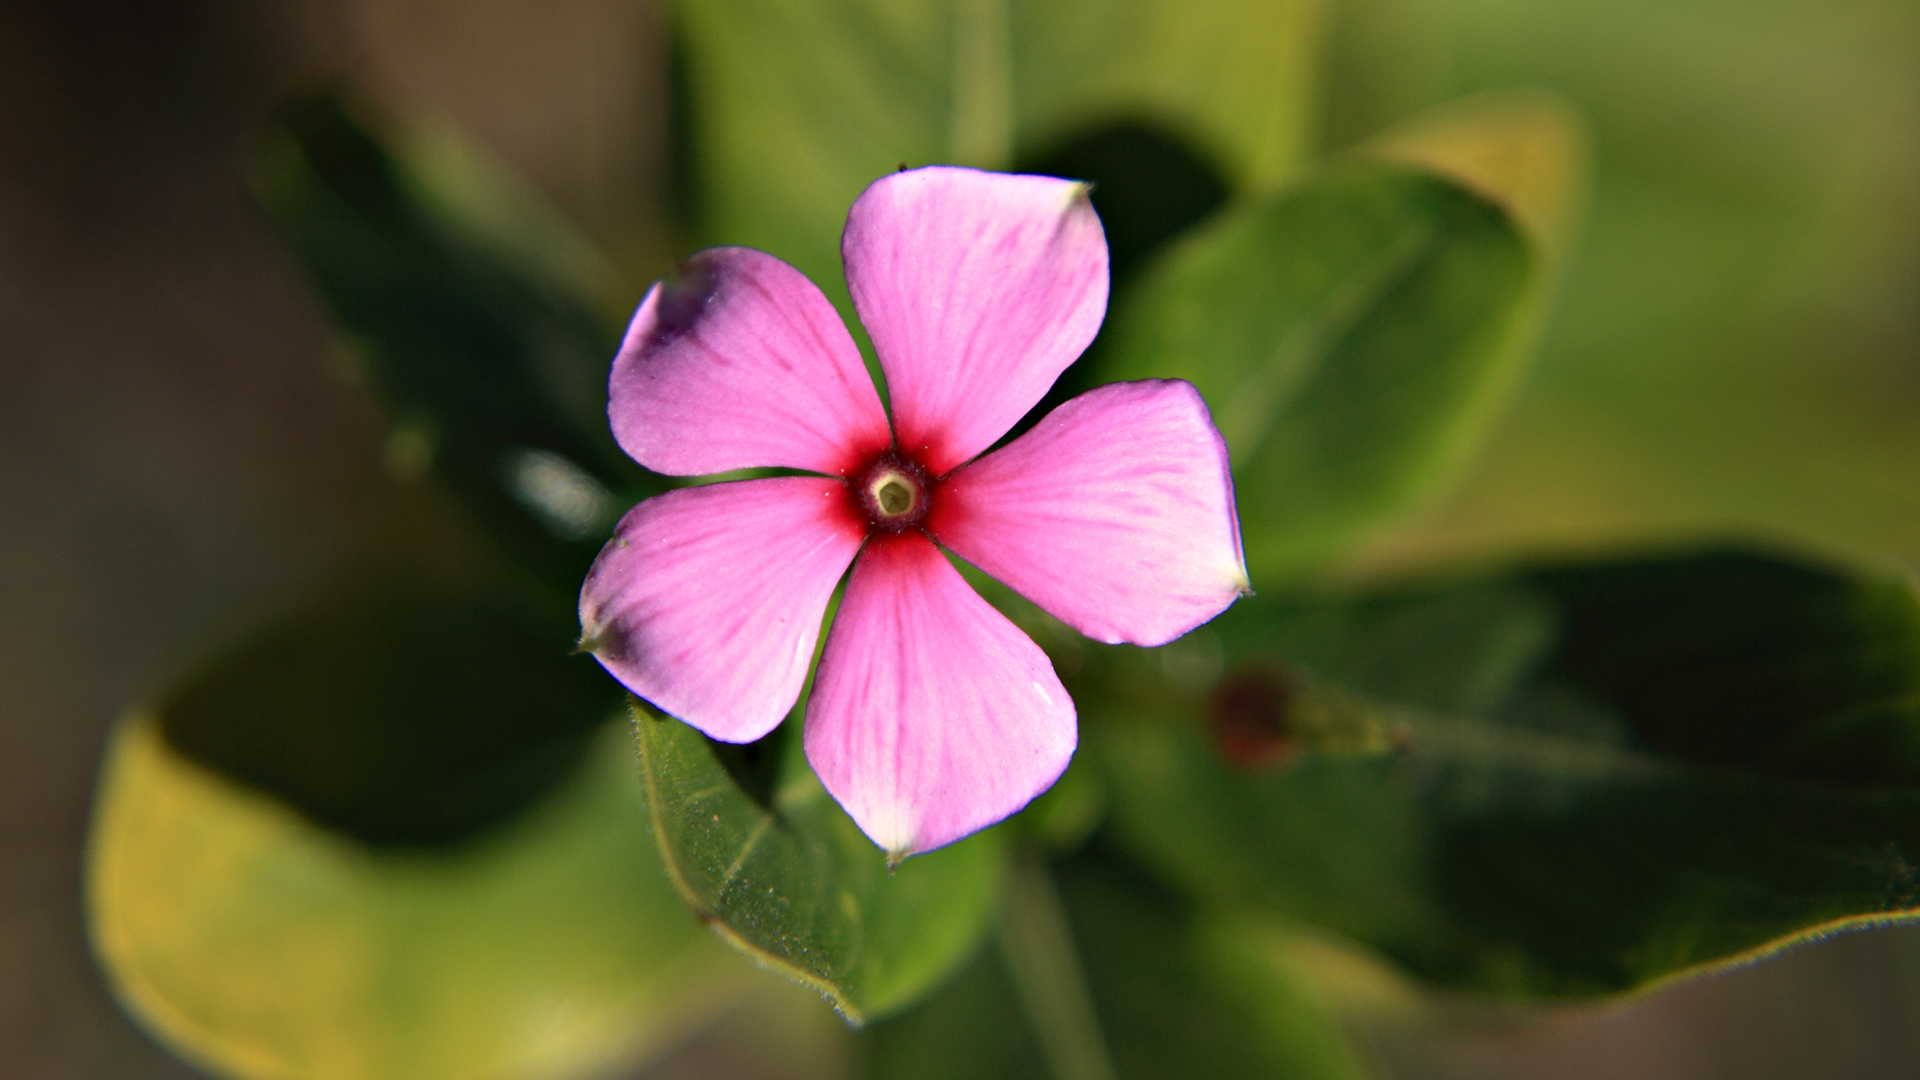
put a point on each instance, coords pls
(1036, 944)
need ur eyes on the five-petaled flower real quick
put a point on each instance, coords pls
(932, 716)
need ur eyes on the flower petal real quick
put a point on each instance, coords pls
(739, 361)
(707, 601)
(932, 716)
(1115, 514)
(977, 289)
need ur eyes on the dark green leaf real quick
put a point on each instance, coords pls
(407, 703)
(1148, 186)
(1175, 994)
(1609, 774)
(1354, 337)
(495, 380)
(765, 857)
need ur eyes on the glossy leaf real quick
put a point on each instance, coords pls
(1608, 774)
(1175, 993)
(1354, 337)
(761, 853)
(494, 378)
(259, 946)
(797, 107)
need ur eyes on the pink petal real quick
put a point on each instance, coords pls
(739, 361)
(978, 289)
(932, 716)
(708, 600)
(1115, 514)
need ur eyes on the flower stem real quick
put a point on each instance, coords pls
(1036, 944)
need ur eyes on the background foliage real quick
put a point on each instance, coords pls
(1518, 775)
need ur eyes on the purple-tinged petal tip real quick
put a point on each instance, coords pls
(708, 600)
(739, 361)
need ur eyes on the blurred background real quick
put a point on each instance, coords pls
(1735, 351)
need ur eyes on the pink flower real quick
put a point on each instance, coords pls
(931, 716)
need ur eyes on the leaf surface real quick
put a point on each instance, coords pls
(412, 701)
(1354, 336)
(1174, 992)
(261, 946)
(797, 107)
(492, 371)
(1607, 774)
(766, 858)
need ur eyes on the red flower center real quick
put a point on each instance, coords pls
(892, 493)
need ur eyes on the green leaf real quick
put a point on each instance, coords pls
(797, 107)
(1236, 77)
(1608, 774)
(1174, 993)
(1692, 376)
(1355, 337)
(767, 859)
(259, 946)
(1529, 150)
(415, 701)
(494, 378)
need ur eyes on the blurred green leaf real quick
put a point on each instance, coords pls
(411, 702)
(797, 107)
(1176, 994)
(494, 378)
(1355, 337)
(261, 947)
(1610, 774)
(771, 863)
(1528, 150)
(1237, 78)
(1733, 344)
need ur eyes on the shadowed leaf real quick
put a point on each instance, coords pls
(1607, 774)
(493, 377)
(405, 704)
(1176, 993)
